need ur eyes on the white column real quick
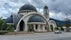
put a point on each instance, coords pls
(49, 28)
(43, 28)
(26, 27)
(65, 29)
(39, 27)
(34, 27)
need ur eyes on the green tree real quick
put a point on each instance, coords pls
(2, 24)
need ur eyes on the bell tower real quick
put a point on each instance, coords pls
(46, 12)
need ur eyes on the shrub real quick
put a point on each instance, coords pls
(3, 32)
(31, 28)
(9, 28)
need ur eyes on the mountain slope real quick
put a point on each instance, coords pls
(58, 22)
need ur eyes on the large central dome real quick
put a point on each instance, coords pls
(28, 7)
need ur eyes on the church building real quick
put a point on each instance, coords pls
(29, 19)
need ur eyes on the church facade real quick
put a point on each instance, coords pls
(29, 19)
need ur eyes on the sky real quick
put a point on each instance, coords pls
(58, 9)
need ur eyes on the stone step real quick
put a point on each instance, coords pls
(13, 33)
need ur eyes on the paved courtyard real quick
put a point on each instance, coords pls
(38, 36)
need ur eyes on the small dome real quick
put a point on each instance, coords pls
(45, 7)
(28, 7)
(9, 19)
(36, 19)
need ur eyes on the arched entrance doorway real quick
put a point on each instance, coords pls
(52, 28)
(21, 26)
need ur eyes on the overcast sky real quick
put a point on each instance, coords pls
(58, 9)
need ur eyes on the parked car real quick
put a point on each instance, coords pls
(57, 31)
